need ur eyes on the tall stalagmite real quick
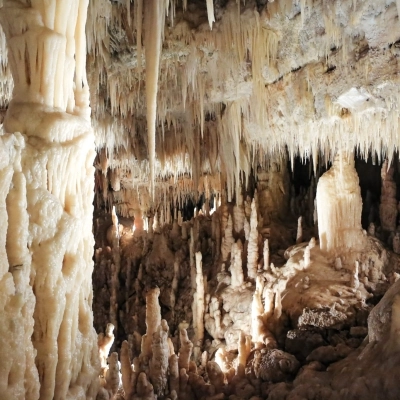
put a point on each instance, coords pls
(48, 343)
(339, 206)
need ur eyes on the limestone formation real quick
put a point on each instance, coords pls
(231, 174)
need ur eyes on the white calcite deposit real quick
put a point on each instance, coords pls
(237, 149)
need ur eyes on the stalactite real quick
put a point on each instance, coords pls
(210, 12)
(154, 17)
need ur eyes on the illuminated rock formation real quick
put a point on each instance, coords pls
(47, 194)
(230, 256)
(339, 207)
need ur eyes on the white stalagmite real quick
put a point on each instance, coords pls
(299, 235)
(153, 320)
(266, 255)
(257, 311)
(252, 250)
(154, 18)
(236, 264)
(354, 280)
(104, 342)
(244, 348)
(339, 206)
(198, 324)
(115, 269)
(46, 192)
(307, 257)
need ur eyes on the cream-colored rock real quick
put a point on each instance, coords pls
(153, 320)
(236, 264)
(185, 350)
(46, 201)
(113, 381)
(159, 361)
(104, 342)
(339, 206)
(252, 249)
(227, 240)
(199, 303)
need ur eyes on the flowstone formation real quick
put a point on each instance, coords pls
(231, 314)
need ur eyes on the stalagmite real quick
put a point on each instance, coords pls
(46, 197)
(185, 350)
(159, 360)
(115, 269)
(371, 229)
(299, 235)
(127, 372)
(257, 311)
(252, 250)
(236, 264)
(266, 255)
(355, 283)
(104, 342)
(198, 324)
(112, 374)
(153, 320)
(244, 349)
(339, 206)
(173, 373)
(388, 206)
(227, 240)
(145, 389)
(307, 257)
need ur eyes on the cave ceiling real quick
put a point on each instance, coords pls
(263, 81)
